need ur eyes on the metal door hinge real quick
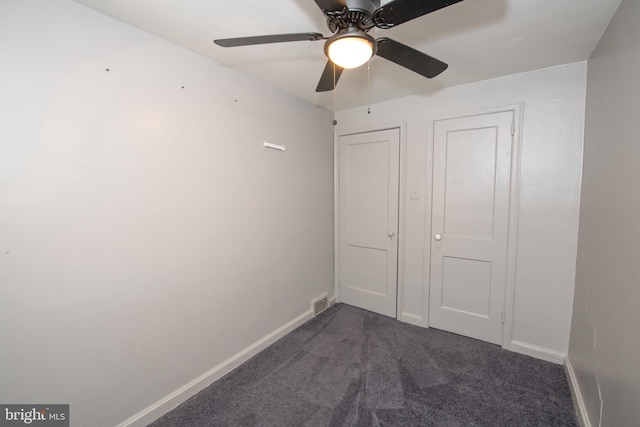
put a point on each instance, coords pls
(502, 318)
(513, 128)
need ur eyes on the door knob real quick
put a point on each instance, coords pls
(438, 237)
(390, 234)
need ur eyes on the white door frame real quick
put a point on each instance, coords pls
(401, 208)
(514, 196)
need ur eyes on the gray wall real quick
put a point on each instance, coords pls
(604, 351)
(146, 235)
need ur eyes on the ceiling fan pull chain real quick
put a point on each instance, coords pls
(335, 122)
(369, 86)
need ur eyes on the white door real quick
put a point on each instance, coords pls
(470, 220)
(368, 185)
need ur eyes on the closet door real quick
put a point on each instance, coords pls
(369, 204)
(470, 219)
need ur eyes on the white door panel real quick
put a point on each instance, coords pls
(470, 213)
(470, 183)
(368, 182)
(469, 286)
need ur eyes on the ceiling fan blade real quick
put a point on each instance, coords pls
(275, 38)
(327, 82)
(331, 5)
(398, 11)
(410, 58)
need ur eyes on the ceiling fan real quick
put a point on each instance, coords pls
(351, 46)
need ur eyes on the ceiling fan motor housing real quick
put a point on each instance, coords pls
(357, 13)
(369, 6)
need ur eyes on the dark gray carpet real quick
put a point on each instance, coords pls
(351, 367)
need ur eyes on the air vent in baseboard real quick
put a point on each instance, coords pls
(320, 304)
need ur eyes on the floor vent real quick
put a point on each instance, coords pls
(320, 305)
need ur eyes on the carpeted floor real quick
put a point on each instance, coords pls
(351, 367)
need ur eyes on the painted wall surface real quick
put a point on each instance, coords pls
(146, 235)
(604, 351)
(553, 114)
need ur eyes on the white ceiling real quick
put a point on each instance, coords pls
(479, 39)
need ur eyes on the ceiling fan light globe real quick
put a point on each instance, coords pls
(350, 52)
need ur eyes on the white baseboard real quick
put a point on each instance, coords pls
(536, 351)
(166, 404)
(576, 394)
